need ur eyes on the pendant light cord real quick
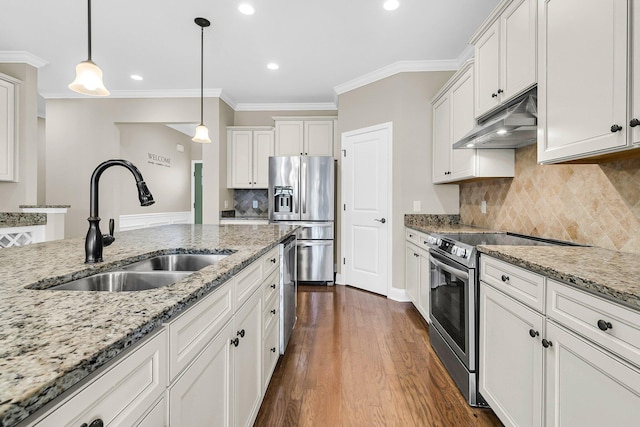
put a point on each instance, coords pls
(201, 75)
(89, 21)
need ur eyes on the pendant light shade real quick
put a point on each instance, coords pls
(88, 75)
(202, 133)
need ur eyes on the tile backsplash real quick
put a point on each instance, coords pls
(590, 204)
(243, 203)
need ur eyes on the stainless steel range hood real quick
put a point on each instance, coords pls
(513, 127)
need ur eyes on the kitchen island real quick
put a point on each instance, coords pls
(52, 340)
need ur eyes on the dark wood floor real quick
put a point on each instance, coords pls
(358, 359)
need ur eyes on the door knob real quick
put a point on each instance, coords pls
(382, 220)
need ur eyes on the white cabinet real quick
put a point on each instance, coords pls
(510, 358)
(412, 272)
(304, 136)
(8, 128)
(424, 286)
(248, 156)
(577, 366)
(122, 394)
(452, 119)
(203, 394)
(247, 361)
(582, 90)
(505, 54)
(634, 121)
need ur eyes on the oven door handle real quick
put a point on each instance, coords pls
(452, 270)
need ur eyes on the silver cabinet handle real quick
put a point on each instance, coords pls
(382, 220)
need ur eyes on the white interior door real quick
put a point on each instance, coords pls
(366, 184)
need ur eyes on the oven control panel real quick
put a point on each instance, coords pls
(455, 249)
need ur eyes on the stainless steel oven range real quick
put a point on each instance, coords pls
(454, 301)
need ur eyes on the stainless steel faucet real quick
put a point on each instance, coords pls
(95, 240)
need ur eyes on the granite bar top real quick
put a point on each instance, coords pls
(44, 206)
(20, 219)
(608, 273)
(50, 340)
(441, 224)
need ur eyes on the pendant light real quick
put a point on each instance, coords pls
(202, 133)
(88, 75)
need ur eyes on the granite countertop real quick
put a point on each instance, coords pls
(44, 206)
(50, 340)
(451, 228)
(611, 274)
(21, 219)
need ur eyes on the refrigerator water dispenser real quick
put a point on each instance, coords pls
(283, 199)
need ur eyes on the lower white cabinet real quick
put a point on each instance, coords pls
(412, 272)
(510, 358)
(562, 369)
(122, 394)
(424, 286)
(156, 417)
(203, 394)
(417, 271)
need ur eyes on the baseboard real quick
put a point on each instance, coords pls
(399, 295)
(132, 222)
(339, 280)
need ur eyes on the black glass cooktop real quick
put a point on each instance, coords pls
(474, 239)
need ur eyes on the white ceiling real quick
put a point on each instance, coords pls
(319, 44)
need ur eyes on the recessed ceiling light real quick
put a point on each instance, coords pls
(246, 9)
(391, 4)
(136, 77)
(502, 132)
(272, 66)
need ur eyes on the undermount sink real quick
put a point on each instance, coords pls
(122, 281)
(152, 273)
(175, 262)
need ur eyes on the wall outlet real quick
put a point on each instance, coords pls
(255, 204)
(483, 206)
(416, 206)
(180, 148)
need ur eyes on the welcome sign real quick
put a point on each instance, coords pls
(159, 160)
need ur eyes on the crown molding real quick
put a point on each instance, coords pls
(228, 100)
(21, 57)
(310, 106)
(468, 53)
(395, 68)
(167, 93)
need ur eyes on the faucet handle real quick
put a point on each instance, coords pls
(108, 239)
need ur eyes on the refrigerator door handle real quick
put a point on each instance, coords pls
(303, 185)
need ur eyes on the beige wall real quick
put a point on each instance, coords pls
(226, 119)
(404, 100)
(169, 181)
(42, 162)
(25, 191)
(265, 118)
(591, 204)
(82, 133)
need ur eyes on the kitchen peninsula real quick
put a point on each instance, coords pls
(52, 340)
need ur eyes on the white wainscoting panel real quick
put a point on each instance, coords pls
(132, 222)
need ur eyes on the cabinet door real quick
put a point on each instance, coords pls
(462, 121)
(510, 368)
(241, 159)
(582, 78)
(635, 81)
(156, 417)
(8, 111)
(519, 52)
(412, 272)
(318, 138)
(487, 51)
(587, 386)
(289, 138)
(424, 285)
(263, 148)
(271, 353)
(247, 368)
(441, 139)
(202, 396)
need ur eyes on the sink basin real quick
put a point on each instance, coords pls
(176, 262)
(122, 281)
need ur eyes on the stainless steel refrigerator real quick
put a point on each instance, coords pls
(301, 192)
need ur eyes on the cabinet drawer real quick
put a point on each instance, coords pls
(271, 353)
(413, 236)
(586, 313)
(271, 285)
(192, 331)
(271, 260)
(271, 312)
(122, 394)
(248, 280)
(521, 284)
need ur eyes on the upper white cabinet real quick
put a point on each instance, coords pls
(8, 124)
(505, 54)
(248, 154)
(304, 136)
(452, 118)
(582, 90)
(634, 121)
